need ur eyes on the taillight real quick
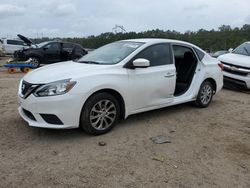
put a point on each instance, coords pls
(221, 66)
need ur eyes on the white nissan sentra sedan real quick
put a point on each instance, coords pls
(117, 80)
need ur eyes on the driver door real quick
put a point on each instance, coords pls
(52, 52)
(152, 86)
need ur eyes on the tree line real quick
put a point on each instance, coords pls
(222, 39)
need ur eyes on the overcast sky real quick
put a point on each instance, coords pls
(77, 18)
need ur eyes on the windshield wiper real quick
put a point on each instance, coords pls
(89, 62)
(246, 50)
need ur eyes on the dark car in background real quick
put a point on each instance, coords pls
(49, 52)
(219, 53)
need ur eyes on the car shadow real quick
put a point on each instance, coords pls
(65, 134)
(133, 120)
(78, 133)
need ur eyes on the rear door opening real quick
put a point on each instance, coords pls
(185, 63)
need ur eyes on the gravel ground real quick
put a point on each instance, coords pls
(209, 147)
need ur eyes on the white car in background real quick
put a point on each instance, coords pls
(9, 46)
(117, 80)
(237, 65)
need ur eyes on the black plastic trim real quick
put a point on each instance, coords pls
(235, 81)
(28, 88)
(51, 119)
(29, 114)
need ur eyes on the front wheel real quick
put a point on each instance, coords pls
(34, 61)
(100, 114)
(205, 95)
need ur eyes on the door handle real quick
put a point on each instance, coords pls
(169, 75)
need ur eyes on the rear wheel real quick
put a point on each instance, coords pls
(26, 70)
(205, 95)
(100, 114)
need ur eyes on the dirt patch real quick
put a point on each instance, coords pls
(239, 149)
(209, 147)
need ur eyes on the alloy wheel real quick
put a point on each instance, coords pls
(206, 94)
(103, 114)
(34, 61)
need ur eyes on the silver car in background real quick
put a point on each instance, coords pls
(9, 46)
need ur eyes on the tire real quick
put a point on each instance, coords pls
(25, 70)
(100, 114)
(12, 70)
(35, 61)
(205, 95)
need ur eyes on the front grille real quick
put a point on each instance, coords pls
(19, 55)
(235, 69)
(29, 114)
(237, 66)
(25, 87)
(28, 88)
(234, 72)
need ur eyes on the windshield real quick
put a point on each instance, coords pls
(243, 49)
(42, 44)
(111, 53)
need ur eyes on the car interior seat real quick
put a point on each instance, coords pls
(185, 70)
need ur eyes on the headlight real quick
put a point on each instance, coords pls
(55, 88)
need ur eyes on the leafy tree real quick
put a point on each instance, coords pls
(222, 39)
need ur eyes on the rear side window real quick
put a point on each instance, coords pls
(68, 46)
(53, 46)
(199, 53)
(15, 42)
(158, 54)
(179, 51)
(183, 55)
(78, 49)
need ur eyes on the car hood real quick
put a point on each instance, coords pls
(235, 59)
(61, 71)
(26, 40)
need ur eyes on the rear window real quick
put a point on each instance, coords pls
(68, 46)
(15, 42)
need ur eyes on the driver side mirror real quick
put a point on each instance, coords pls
(141, 63)
(45, 48)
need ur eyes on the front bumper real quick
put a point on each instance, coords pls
(67, 108)
(242, 81)
(19, 55)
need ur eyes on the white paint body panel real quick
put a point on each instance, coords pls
(11, 48)
(142, 89)
(237, 60)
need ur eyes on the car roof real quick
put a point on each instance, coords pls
(156, 40)
(11, 39)
(59, 41)
(65, 42)
(159, 40)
